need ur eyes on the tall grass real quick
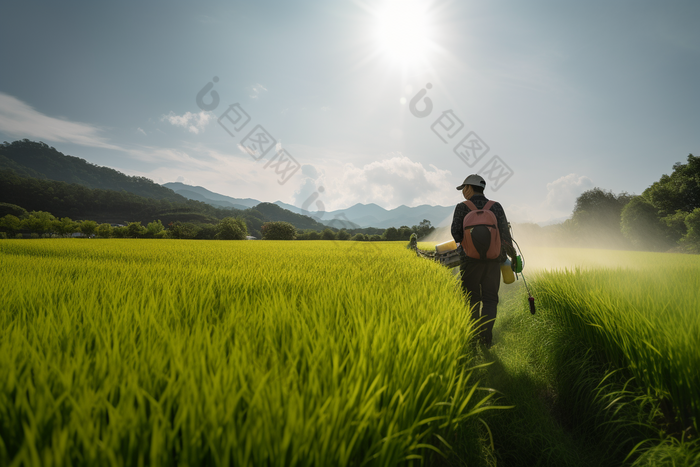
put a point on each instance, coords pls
(644, 320)
(123, 352)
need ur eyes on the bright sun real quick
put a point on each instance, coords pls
(402, 30)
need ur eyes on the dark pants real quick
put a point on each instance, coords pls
(482, 281)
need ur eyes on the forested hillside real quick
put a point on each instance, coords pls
(80, 202)
(39, 160)
(37, 177)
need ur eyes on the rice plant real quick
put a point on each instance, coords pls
(642, 319)
(138, 352)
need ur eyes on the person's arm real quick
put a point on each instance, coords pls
(457, 229)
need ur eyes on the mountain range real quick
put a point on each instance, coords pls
(36, 167)
(357, 216)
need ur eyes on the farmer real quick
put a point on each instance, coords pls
(481, 277)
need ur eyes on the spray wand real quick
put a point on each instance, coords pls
(518, 266)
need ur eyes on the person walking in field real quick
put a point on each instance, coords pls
(481, 227)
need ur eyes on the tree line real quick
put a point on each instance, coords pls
(108, 206)
(20, 223)
(665, 217)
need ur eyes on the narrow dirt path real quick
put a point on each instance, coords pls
(534, 432)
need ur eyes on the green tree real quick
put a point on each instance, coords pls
(313, 235)
(327, 234)
(375, 238)
(120, 232)
(391, 234)
(135, 230)
(641, 224)
(103, 230)
(423, 229)
(343, 235)
(206, 232)
(183, 230)
(278, 230)
(692, 239)
(38, 222)
(597, 217)
(678, 191)
(155, 229)
(676, 224)
(10, 223)
(405, 232)
(64, 226)
(230, 228)
(360, 237)
(87, 228)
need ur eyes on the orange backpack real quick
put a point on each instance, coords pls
(481, 240)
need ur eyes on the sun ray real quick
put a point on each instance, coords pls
(403, 31)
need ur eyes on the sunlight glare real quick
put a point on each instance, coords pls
(402, 30)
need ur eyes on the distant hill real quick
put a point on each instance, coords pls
(354, 217)
(372, 215)
(272, 211)
(39, 160)
(202, 194)
(81, 203)
(38, 177)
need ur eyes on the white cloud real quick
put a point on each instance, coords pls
(304, 196)
(255, 90)
(140, 130)
(556, 206)
(193, 122)
(309, 171)
(562, 192)
(228, 173)
(21, 120)
(389, 182)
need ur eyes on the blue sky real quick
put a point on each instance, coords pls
(568, 95)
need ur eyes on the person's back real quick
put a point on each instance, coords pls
(481, 277)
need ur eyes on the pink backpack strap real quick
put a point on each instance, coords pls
(470, 205)
(488, 205)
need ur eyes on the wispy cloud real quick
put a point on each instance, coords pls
(193, 122)
(255, 90)
(21, 120)
(141, 130)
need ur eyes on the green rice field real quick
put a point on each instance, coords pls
(641, 318)
(643, 315)
(152, 352)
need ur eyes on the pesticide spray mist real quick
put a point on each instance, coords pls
(441, 233)
(555, 247)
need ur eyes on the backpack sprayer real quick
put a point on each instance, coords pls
(518, 269)
(448, 255)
